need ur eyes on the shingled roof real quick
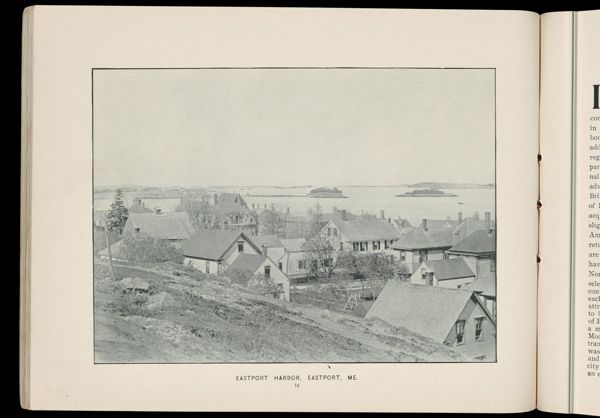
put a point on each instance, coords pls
(479, 242)
(170, 225)
(248, 262)
(366, 229)
(211, 244)
(485, 284)
(417, 238)
(293, 244)
(269, 241)
(426, 310)
(453, 268)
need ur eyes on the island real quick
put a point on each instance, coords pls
(427, 193)
(326, 192)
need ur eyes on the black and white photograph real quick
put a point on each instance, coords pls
(294, 215)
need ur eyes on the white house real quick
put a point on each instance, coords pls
(453, 274)
(261, 266)
(366, 235)
(485, 286)
(478, 250)
(213, 250)
(293, 262)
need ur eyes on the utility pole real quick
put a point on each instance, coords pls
(110, 262)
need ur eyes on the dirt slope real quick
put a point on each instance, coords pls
(204, 319)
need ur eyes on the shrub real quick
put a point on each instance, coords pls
(145, 249)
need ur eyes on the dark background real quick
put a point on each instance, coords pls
(11, 19)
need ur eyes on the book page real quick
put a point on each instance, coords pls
(585, 384)
(381, 129)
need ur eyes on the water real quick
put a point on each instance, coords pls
(358, 199)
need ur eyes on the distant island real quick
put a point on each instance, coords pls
(326, 192)
(426, 193)
(436, 185)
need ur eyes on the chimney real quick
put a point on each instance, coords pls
(264, 250)
(382, 214)
(344, 215)
(424, 223)
(157, 211)
(476, 216)
(460, 219)
(488, 221)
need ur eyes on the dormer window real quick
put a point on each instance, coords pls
(240, 245)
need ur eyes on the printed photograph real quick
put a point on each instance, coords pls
(294, 215)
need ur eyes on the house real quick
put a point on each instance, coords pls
(172, 226)
(293, 262)
(262, 267)
(485, 286)
(479, 251)
(453, 317)
(138, 206)
(368, 235)
(427, 242)
(451, 273)
(270, 245)
(419, 244)
(230, 211)
(213, 250)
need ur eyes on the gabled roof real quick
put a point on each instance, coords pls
(269, 241)
(229, 203)
(417, 238)
(366, 229)
(479, 242)
(169, 225)
(293, 244)
(453, 268)
(426, 310)
(470, 225)
(485, 284)
(248, 262)
(212, 244)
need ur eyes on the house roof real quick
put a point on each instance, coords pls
(169, 225)
(366, 229)
(417, 238)
(454, 268)
(293, 244)
(439, 223)
(248, 262)
(485, 284)
(229, 203)
(471, 225)
(211, 244)
(269, 241)
(426, 310)
(478, 242)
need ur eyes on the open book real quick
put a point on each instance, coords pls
(310, 210)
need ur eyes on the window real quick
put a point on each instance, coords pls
(376, 245)
(207, 267)
(422, 256)
(428, 278)
(460, 332)
(479, 329)
(328, 231)
(386, 244)
(402, 255)
(335, 232)
(446, 256)
(240, 246)
(267, 271)
(301, 265)
(137, 229)
(493, 265)
(363, 246)
(355, 246)
(341, 246)
(280, 266)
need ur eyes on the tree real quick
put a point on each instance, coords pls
(144, 249)
(118, 214)
(316, 222)
(382, 265)
(354, 264)
(196, 209)
(320, 256)
(274, 220)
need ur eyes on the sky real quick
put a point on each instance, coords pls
(292, 127)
